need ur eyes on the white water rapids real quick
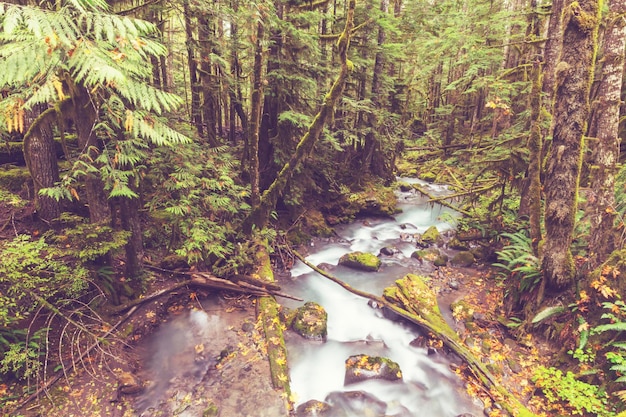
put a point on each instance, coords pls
(428, 387)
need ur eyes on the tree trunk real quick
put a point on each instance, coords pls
(192, 65)
(255, 112)
(604, 128)
(553, 47)
(85, 117)
(129, 216)
(571, 109)
(373, 158)
(207, 81)
(40, 157)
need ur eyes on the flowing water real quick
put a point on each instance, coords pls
(428, 387)
(182, 353)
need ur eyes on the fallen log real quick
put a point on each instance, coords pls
(416, 303)
(440, 201)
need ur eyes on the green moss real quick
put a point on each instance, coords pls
(428, 177)
(363, 261)
(431, 235)
(441, 260)
(14, 178)
(316, 224)
(211, 410)
(430, 254)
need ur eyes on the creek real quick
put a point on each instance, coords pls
(180, 358)
(429, 387)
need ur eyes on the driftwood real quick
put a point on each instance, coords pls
(450, 339)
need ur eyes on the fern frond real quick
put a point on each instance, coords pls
(547, 313)
(617, 327)
(155, 131)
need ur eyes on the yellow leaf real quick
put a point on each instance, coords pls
(128, 123)
(58, 86)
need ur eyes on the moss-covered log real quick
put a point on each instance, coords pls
(413, 300)
(273, 328)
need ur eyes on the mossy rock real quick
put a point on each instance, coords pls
(415, 296)
(314, 408)
(429, 177)
(463, 258)
(441, 260)
(362, 261)
(425, 254)
(456, 244)
(431, 236)
(364, 367)
(310, 321)
(404, 187)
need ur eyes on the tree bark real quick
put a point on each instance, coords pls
(207, 80)
(192, 65)
(604, 128)
(40, 157)
(574, 73)
(255, 112)
(129, 216)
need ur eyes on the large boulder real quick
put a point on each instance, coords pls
(364, 367)
(356, 403)
(310, 321)
(363, 261)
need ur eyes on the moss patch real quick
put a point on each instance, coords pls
(364, 367)
(310, 321)
(363, 261)
(14, 178)
(463, 258)
(431, 236)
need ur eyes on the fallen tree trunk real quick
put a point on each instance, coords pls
(440, 201)
(416, 303)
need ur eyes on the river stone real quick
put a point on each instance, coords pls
(361, 260)
(388, 251)
(310, 321)
(404, 187)
(355, 403)
(441, 260)
(313, 408)
(364, 367)
(463, 258)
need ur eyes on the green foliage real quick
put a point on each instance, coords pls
(200, 203)
(566, 393)
(519, 262)
(86, 241)
(31, 270)
(21, 357)
(616, 349)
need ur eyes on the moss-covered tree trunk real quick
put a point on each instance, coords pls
(604, 129)
(535, 142)
(40, 157)
(192, 66)
(207, 79)
(571, 110)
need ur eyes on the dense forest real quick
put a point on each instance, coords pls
(144, 136)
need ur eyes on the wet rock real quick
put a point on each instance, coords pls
(463, 258)
(128, 383)
(404, 187)
(313, 408)
(247, 326)
(356, 403)
(389, 314)
(310, 321)
(454, 284)
(428, 176)
(364, 367)
(388, 251)
(326, 266)
(361, 260)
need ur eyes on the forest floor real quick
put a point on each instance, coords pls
(235, 364)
